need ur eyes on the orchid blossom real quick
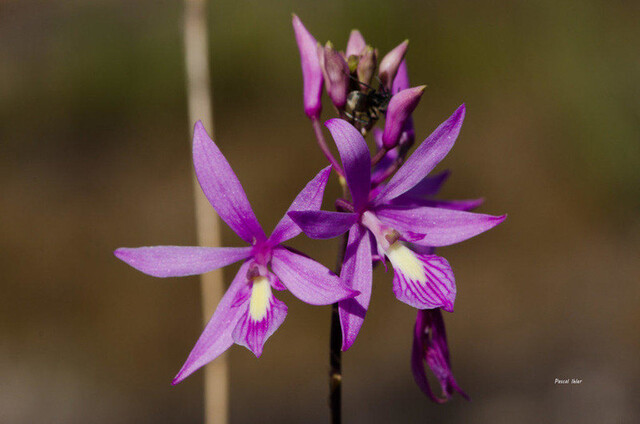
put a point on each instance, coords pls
(384, 220)
(249, 313)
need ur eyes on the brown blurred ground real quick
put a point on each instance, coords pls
(95, 155)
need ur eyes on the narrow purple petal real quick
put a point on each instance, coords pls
(257, 323)
(422, 281)
(311, 71)
(425, 157)
(178, 261)
(355, 157)
(221, 186)
(429, 186)
(440, 227)
(405, 201)
(356, 44)
(323, 224)
(217, 335)
(310, 198)
(308, 280)
(356, 272)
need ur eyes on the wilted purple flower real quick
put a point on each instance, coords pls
(248, 313)
(336, 74)
(366, 67)
(430, 347)
(384, 219)
(311, 70)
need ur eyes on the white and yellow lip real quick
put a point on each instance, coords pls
(260, 298)
(421, 281)
(405, 261)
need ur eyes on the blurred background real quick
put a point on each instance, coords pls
(95, 146)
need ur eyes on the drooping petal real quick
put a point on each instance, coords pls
(421, 281)
(310, 198)
(311, 71)
(261, 315)
(430, 346)
(356, 272)
(355, 157)
(429, 186)
(399, 111)
(178, 261)
(439, 227)
(221, 186)
(308, 280)
(323, 224)
(356, 44)
(425, 157)
(217, 335)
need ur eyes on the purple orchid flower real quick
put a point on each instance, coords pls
(382, 221)
(249, 312)
(430, 347)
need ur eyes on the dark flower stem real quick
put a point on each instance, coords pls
(317, 129)
(335, 350)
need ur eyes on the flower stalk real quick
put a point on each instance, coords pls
(216, 375)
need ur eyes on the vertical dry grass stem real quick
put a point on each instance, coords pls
(199, 97)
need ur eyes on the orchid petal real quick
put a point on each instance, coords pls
(323, 224)
(355, 157)
(427, 187)
(310, 198)
(262, 315)
(458, 205)
(217, 335)
(440, 227)
(422, 281)
(312, 78)
(308, 280)
(221, 186)
(356, 44)
(432, 150)
(357, 273)
(178, 261)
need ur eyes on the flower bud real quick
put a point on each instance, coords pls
(401, 82)
(311, 71)
(366, 66)
(399, 111)
(336, 74)
(390, 63)
(356, 44)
